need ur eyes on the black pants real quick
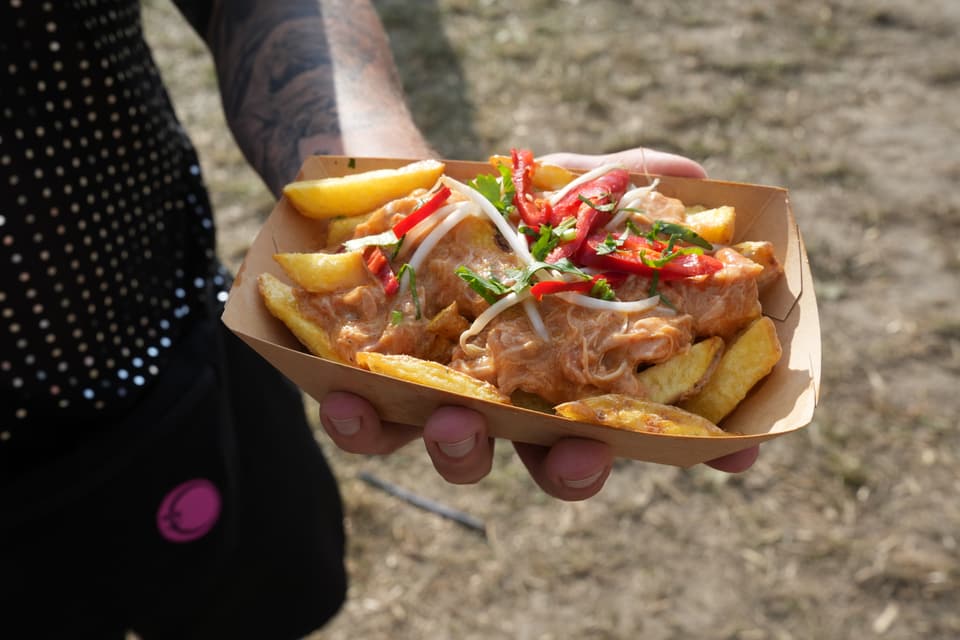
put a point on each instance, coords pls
(210, 512)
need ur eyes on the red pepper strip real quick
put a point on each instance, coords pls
(607, 188)
(587, 219)
(629, 261)
(380, 267)
(636, 243)
(604, 190)
(522, 178)
(419, 214)
(578, 286)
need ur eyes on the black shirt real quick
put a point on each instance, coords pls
(106, 234)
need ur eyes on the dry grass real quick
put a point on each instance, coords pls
(845, 530)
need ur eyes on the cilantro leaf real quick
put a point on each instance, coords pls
(490, 289)
(407, 270)
(680, 232)
(498, 190)
(609, 245)
(610, 206)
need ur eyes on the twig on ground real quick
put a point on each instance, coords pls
(464, 519)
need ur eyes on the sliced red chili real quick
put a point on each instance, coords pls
(548, 287)
(380, 267)
(422, 212)
(600, 191)
(635, 256)
(589, 204)
(636, 243)
(522, 178)
(690, 265)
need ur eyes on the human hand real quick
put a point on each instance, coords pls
(638, 160)
(458, 443)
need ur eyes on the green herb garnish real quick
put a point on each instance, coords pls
(492, 288)
(412, 277)
(678, 232)
(499, 190)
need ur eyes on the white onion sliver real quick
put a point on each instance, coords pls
(627, 202)
(462, 211)
(620, 306)
(536, 320)
(384, 239)
(489, 314)
(511, 235)
(589, 175)
(413, 237)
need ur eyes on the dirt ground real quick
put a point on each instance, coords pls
(847, 529)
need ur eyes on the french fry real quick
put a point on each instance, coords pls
(429, 373)
(761, 252)
(325, 272)
(716, 226)
(546, 176)
(632, 414)
(341, 229)
(280, 301)
(360, 193)
(684, 375)
(747, 360)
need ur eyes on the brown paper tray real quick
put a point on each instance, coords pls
(784, 402)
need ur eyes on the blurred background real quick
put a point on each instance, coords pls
(846, 529)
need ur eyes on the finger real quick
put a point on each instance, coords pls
(354, 425)
(736, 462)
(457, 441)
(572, 469)
(639, 160)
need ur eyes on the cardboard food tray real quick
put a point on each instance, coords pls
(782, 403)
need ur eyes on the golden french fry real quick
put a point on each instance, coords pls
(341, 229)
(325, 272)
(746, 361)
(546, 176)
(550, 177)
(280, 301)
(429, 373)
(761, 252)
(683, 375)
(629, 413)
(360, 193)
(716, 226)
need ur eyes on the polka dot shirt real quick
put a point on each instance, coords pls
(106, 234)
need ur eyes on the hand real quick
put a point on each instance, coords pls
(456, 438)
(637, 160)
(461, 449)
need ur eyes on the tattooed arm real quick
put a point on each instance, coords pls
(305, 76)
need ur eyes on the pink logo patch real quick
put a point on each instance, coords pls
(189, 511)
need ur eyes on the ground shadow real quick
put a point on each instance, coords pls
(432, 76)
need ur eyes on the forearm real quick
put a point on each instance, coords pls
(308, 76)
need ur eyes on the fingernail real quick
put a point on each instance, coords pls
(345, 426)
(582, 483)
(458, 449)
